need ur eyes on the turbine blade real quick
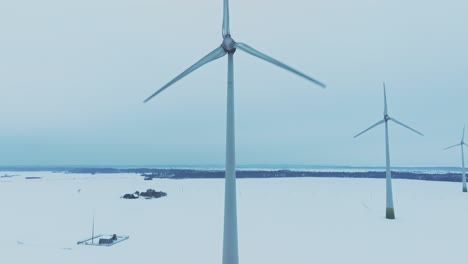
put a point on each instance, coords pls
(463, 135)
(385, 100)
(376, 124)
(465, 144)
(215, 54)
(452, 146)
(403, 125)
(226, 30)
(246, 48)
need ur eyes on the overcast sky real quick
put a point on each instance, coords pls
(73, 75)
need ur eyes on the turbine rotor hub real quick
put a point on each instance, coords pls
(386, 117)
(229, 45)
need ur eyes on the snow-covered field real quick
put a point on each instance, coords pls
(305, 220)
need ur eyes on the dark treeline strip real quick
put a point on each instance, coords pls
(216, 174)
(255, 174)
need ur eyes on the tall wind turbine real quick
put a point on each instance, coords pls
(229, 46)
(461, 144)
(390, 211)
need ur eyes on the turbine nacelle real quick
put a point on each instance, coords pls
(386, 118)
(229, 45)
(461, 144)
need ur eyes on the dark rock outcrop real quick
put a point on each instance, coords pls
(149, 194)
(131, 195)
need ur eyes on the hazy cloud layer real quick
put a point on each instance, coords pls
(73, 75)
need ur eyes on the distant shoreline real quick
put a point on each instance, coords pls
(429, 174)
(221, 167)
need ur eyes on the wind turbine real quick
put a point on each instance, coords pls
(229, 47)
(390, 211)
(461, 144)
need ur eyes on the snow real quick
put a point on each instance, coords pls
(306, 220)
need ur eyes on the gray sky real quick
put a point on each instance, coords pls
(73, 75)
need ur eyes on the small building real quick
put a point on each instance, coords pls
(103, 240)
(108, 241)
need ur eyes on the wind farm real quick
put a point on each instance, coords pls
(240, 158)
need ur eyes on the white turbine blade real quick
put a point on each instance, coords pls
(463, 135)
(226, 30)
(465, 144)
(385, 100)
(452, 146)
(215, 54)
(269, 59)
(376, 124)
(403, 125)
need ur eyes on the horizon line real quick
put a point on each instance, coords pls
(278, 166)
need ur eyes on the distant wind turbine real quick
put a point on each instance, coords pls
(229, 46)
(390, 211)
(461, 144)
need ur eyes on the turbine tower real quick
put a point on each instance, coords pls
(390, 211)
(461, 144)
(229, 47)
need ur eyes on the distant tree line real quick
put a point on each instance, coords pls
(256, 174)
(150, 173)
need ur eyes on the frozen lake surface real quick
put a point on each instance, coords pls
(306, 220)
